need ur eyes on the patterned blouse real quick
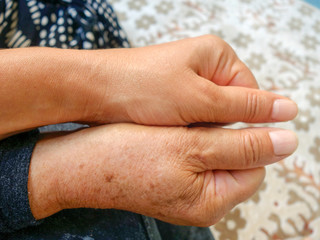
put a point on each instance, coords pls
(59, 23)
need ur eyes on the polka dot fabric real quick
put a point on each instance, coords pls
(64, 24)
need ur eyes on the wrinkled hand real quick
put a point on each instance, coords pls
(190, 176)
(181, 175)
(178, 83)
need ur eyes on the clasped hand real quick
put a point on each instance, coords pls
(148, 161)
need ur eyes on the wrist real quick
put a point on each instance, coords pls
(83, 169)
(43, 86)
(72, 86)
(70, 171)
(42, 183)
(104, 86)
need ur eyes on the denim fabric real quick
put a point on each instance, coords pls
(175, 232)
(85, 224)
(92, 224)
(15, 154)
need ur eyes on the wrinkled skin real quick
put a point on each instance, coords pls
(176, 174)
(190, 176)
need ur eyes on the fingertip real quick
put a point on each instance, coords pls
(284, 142)
(284, 110)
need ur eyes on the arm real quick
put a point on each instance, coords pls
(192, 80)
(179, 175)
(41, 86)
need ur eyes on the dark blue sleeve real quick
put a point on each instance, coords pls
(15, 155)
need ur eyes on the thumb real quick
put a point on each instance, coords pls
(240, 104)
(219, 63)
(225, 190)
(234, 187)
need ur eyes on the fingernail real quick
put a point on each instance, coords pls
(284, 110)
(284, 142)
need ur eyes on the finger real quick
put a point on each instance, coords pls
(233, 187)
(220, 64)
(234, 73)
(228, 149)
(250, 105)
(243, 77)
(239, 104)
(225, 189)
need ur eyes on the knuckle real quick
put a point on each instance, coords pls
(210, 37)
(252, 107)
(175, 146)
(252, 148)
(207, 99)
(194, 154)
(213, 40)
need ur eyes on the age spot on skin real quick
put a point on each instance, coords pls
(108, 178)
(152, 186)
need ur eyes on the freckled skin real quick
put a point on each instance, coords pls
(178, 174)
(186, 176)
(108, 178)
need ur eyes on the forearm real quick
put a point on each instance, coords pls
(180, 175)
(41, 86)
(90, 168)
(67, 170)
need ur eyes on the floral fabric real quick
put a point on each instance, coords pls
(64, 24)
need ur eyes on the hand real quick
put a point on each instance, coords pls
(178, 83)
(189, 176)
(188, 81)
